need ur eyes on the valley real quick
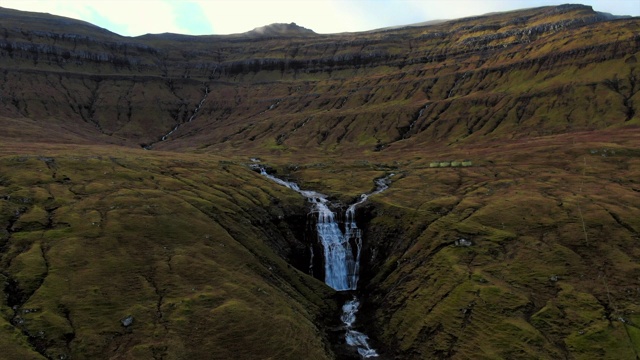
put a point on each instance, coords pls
(133, 226)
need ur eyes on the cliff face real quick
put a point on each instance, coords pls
(535, 72)
(125, 189)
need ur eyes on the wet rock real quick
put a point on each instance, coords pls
(462, 242)
(127, 321)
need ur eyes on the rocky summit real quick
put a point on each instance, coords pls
(169, 196)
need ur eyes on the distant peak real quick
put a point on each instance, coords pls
(281, 29)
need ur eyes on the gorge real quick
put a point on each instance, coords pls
(341, 249)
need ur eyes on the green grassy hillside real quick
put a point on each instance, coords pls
(552, 268)
(192, 248)
(530, 252)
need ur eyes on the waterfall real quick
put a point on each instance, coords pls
(340, 270)
(355, 338)
(342, 266)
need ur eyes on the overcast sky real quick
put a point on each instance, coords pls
(203, 17)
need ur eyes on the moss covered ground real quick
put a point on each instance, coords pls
(549, 263)
(181, 244)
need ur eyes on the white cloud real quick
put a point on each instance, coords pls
(137, 17)
(131, 18)
(228, 16)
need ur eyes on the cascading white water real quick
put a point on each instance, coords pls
(340, 270)
(355, 338)
(341, 267)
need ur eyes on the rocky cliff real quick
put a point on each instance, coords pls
(432, 83)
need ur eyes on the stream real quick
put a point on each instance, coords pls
(341, 262)
(178, 125)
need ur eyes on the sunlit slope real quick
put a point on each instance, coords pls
(192, 248)
(511, 75)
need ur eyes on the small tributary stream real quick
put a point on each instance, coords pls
(341, 253)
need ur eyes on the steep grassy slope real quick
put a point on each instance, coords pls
(549, 266)
(552, 268)
(181, 244)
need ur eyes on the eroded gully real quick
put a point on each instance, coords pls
(341, 252)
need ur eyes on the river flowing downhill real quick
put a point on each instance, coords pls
(341, 262)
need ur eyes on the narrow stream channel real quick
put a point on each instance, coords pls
(178, 125)
(341, 262)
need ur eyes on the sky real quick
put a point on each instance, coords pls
(205, 17)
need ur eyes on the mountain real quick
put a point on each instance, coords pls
(280, 30)
(133, 224)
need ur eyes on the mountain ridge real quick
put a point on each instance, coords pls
(276, 28)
